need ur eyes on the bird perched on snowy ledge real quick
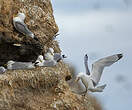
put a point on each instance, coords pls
(91, 79)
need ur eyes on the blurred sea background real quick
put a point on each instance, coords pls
(99, 28)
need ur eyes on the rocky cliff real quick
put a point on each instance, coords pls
(42, 88)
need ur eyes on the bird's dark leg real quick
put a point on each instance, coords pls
(84, 92)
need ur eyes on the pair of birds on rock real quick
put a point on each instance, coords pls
(51, 59)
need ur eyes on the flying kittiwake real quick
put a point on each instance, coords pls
(91, 79)
(2, 70)
(12, 65)
(20, 26)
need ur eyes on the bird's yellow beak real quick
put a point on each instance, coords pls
(5, 65)
(52, 54)
(15, 16)
(40, 60)
(17, 45)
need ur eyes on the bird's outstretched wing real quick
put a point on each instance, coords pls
(98, 66)
(22, 28)
(86, 64)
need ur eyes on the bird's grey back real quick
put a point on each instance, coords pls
(57, 56)
(22, 28)
(49, 63)
(22, 65)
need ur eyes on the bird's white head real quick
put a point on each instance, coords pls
(51, 50)
(21, 16)
(3, 69)
(10, 62)
(41, 58)
(79, 76)
(39, 61)
(86, 57)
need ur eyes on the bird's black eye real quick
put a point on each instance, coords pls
(86, 56)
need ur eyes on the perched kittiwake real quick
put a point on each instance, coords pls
(12, 65)
(2, 69)
(51, 62)
(90, 80)
(47, 63)
(58, 57)
(21, 26)
(49, 55)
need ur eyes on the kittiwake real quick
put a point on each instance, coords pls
(90, 80)
(49, 55)
(50, 62)
(12, 65)
(21, 27)
(47, 63)
(2, 70)
(58, 57)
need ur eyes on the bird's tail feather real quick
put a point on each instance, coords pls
(101, 87)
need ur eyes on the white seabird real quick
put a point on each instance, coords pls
(47, 63)
(20, 26)
(58, 57)
(12, 65)
(2, 70)
(49, 55)
(50, 62)
(90, 80)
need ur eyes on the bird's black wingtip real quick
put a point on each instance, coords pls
(36, 63)
(119, 56)
(86, 55)
(64, 56)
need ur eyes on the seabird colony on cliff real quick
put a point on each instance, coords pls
(50, 59)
